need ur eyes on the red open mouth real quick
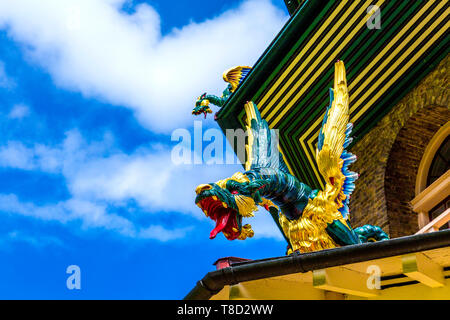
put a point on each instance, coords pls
(196, 113)
(225, 217)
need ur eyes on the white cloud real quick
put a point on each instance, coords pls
(95, 171)
(19, 111)
(97, 180)
(93, 47)
(92, 215)
(162, 234)
(39, 157)
(263, 225)
(18, 236)
(148, 177)
(16, 155)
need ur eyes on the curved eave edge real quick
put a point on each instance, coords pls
(214, 281)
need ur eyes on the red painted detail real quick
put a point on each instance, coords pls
(225, 218)
(332, 181)
(228, 261)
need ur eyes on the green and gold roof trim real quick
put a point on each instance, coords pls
(290, 81)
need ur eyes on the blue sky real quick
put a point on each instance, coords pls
(90, 93)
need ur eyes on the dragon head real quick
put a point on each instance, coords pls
(227, 201)
(202, 106)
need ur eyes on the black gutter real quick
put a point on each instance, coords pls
(214, 281)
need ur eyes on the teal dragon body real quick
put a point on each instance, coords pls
(234, 77)
(309, 219)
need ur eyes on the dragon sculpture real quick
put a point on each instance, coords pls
(310, 219)
(234, 77)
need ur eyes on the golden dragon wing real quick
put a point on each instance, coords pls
(332, 158)
(235, 76)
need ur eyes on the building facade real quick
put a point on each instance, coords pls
(390, 155)
(398, 79)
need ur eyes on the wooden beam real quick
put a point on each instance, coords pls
(422, 219)
(438, 222)
(421, 268)
(344, 280)
(433, 194)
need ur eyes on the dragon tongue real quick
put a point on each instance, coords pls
(221, 223)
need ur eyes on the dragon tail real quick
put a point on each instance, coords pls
(369, 233)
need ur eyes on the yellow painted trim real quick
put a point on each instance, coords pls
(343, 281)
(299, 286)
(309, 57)
(392, 43)
(223, 294)
(312, 79)
(275, 289)
(428, 156)
(301, 54)
(387, 86)
(405, 67)
(305, 147)
(421, 268)
(309, 145)
(313, 163)
(316, 124)
(417, 291)
(326, 62)
(385, 75)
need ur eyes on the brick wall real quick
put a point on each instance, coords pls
(403, 164)
(389, 155)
